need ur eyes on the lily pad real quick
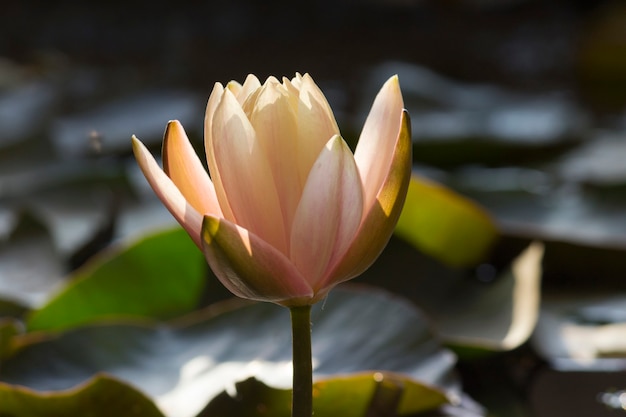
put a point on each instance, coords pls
(182, 366)
(113, 123)
(583, 333)
(480, 310)
(12, 309)
(160, 276)
(30, 268)
(102, 396)
(24, 110)
(445, 225)
(356, 395)
(9, 328)
(501, 316)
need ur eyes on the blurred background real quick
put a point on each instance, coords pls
(519, 105)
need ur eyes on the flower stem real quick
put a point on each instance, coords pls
(302, 398)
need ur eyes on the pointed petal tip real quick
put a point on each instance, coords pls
(171, 125)
(393, 80)
(182, 165)
(334, 142)
(138, 147)
(172, 137)
(167, 191)
(392, 85)
(405, 128)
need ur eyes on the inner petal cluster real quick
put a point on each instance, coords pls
(261, 145)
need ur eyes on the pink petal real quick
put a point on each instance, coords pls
(181, 164)
(250, 85)
(294, 92)
(250, 267)
(316, 124)
(375, 150)
(234, 87)
(380, 219)
(329, 213)
(274, 122)
(214, 100)
(297, 80)
(245, 174)
(167, 192)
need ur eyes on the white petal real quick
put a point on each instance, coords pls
(316, 124)
(377, 143)
(249, 267)
(274, 122)
(250, 85)
(167, 192)
(214, 100)
(245, 174)
(182, 165)
(329, 213)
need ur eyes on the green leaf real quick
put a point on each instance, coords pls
(445, 225)
(366, 394)
(9, 328)
(160, 276)
(101, 396)
(9, 308)
(500, 316)
(182, 366)
(363, 394)
(584, 332)
(473, 311)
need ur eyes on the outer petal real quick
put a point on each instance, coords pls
(329, 213)
(316, 124)
(181, 164)
(167, 192)
(375, 151)
(380, 219)
(246, 174)
(214, 100)
(250, 267)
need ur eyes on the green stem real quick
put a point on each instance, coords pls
(302, 399)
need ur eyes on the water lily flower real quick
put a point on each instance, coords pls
(288, 211)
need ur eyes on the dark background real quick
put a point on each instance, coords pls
(525, 44)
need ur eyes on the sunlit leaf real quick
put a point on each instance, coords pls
(358, 395)
(473, 310)
(184, 365)
(160, 276)
(586, 333)
(445, 225)
(500, 316)
(388, 392)
(101, 396)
